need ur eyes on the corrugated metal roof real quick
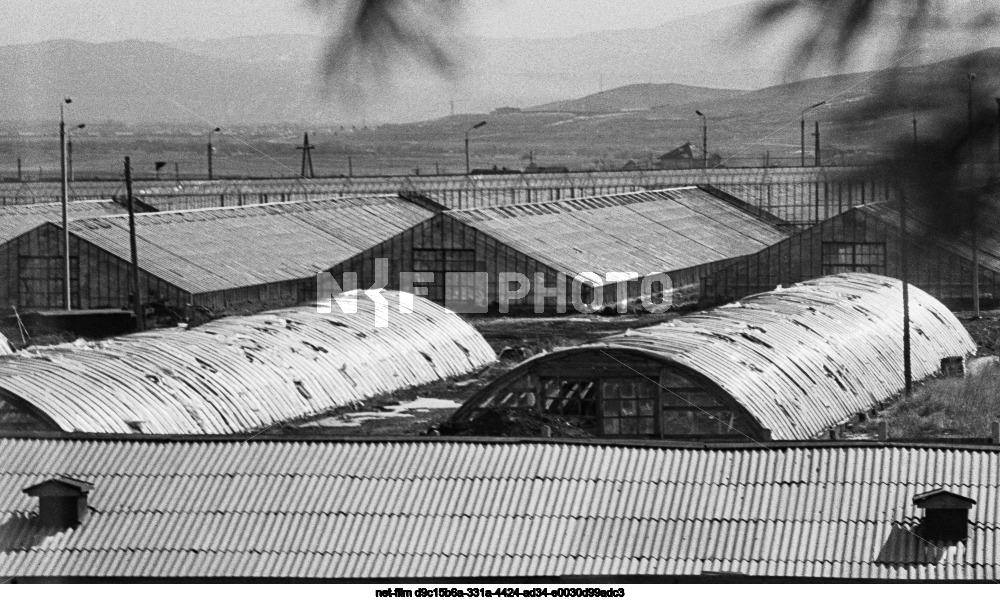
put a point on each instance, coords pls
(799, 359)
(4, 345)
(18, 219)
(491, 509)
(645, 232)
(240, 374)
(207, 250)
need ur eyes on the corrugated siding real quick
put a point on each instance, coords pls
(209, 250)
(799, 359)
(18, 219)
(446, 509)
(941, 267)
(241, 374)
(646, 232)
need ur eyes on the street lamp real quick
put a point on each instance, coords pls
(64, 186)
(802, 143)
(704, 138)
(69, 149)
(217, 129)
(468, 170)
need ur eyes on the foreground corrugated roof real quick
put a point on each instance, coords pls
(491, 509)
(207, 250)
(18, 219)
(646, 232)
(798, 359)
(240, 374)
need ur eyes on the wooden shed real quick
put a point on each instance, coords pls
(863, 239)
(596, 251)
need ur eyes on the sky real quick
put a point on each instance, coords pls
(169, 20)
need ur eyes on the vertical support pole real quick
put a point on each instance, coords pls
(350, 167)
(802, 140)
(467, 168)
(704, 142)
(140, 316)
(20, 176)
(817, 144)
(69, 158)
(209, 150)
(905, 277)
(64, 186)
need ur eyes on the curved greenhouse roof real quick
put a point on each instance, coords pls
(239, 374)
(785, 364)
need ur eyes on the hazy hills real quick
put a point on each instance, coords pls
(638, 97)
(268, 79)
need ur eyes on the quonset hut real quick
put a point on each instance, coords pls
(237, 374)
(782, 365)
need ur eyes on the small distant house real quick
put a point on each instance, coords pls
(686, 156)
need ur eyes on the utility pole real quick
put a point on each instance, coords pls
(210, 150)
(975, 220)
(307, 159)
(704, 139)
(350, 167)
(802, 130)
(468, 170)
(64, 186)
(140, 314)
(817, 143)
(20, 176)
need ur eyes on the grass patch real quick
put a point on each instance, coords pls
(943, 408)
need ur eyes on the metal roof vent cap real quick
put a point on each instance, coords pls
(946, 514)
(62, 501)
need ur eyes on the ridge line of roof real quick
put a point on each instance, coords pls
(937, 444)
(573, 199)
(287, 203)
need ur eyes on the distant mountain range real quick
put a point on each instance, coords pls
(274, 79)
(638, 97)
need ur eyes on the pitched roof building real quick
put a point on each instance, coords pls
(684, 232)
(252, 255)
(495, 510)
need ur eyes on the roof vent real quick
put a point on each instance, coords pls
(946, 514)
(62, 501)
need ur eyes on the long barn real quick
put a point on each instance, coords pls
(866, 239)
(781, 365)
(594, 250)
(236, 374)
(244, 258)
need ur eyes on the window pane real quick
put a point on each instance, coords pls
(677, 422)
(611, 427)
(646, 426)
(628, 408)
